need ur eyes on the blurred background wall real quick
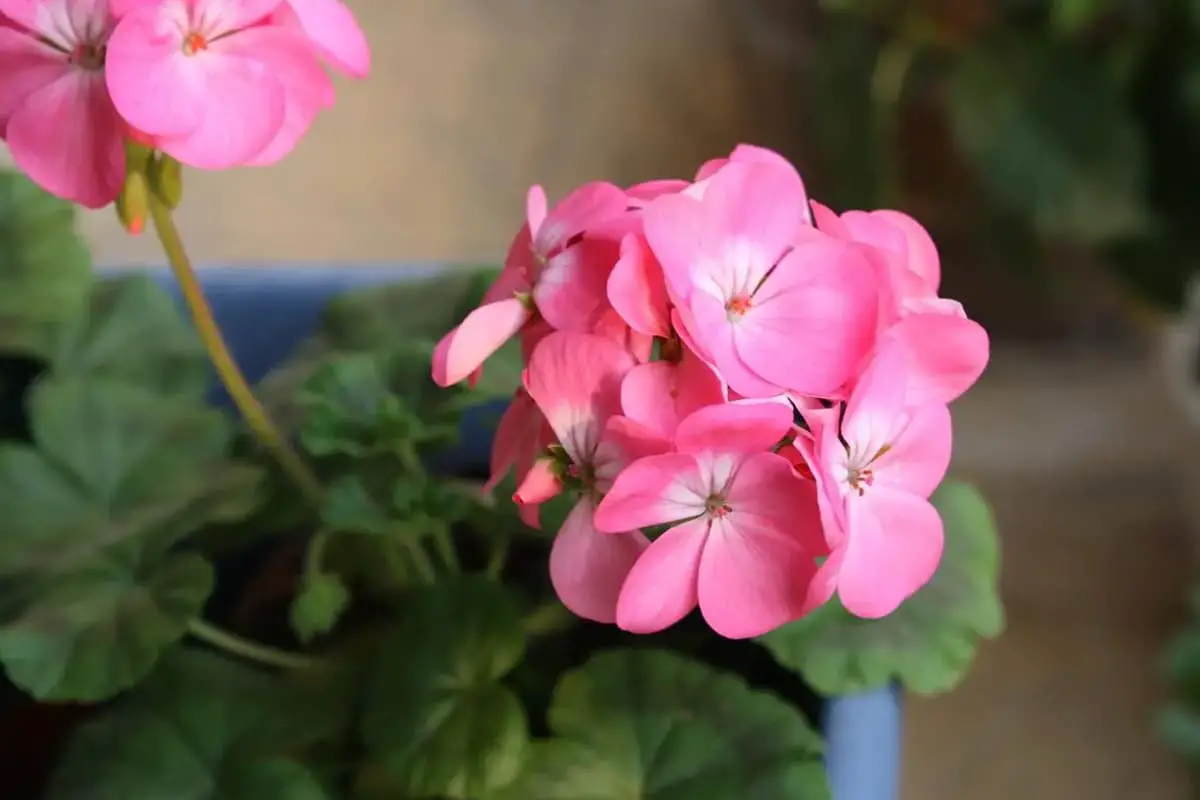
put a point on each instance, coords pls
(1070, 433)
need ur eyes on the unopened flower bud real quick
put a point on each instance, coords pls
(166, 179)
(133, 203)
(540, 484)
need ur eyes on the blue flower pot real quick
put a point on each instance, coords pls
(266, 312)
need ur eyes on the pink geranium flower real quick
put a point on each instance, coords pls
(575, 379)
(750, 280)
(216, 83)
(946, 351)
(55, 111)
(745, 531)
(550, 271)
(876, 471)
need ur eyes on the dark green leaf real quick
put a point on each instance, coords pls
(90, 593)
(1050, 137)
(45, 268)
(202, 728)
(928, 643)
(320, 604)
(1180, 729)
(656, 725)
(370, 403)
(350, 508)
(436, 715)
(133, 331)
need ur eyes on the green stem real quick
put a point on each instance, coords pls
(236, 645)
(445, 547)
(892, 68)
(548, 618)
(230, 375)
(314, 557)
(420, 560)
(499, 558)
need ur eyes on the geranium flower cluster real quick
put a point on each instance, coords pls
(211, 83)
(745, 391)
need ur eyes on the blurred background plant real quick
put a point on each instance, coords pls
(1064, 134)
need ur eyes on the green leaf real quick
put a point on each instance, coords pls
(349, 507)
(370, 403)
(436, 714)
(656, 725)
(1179, 727)
(202, 728)
(1051, 138)
(928, 643)
(1071, 17)
(45, 268)
(320, 604)
(377, 319)
(132, 330)
(92, 593)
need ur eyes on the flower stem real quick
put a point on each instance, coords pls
(253, 651)
(228, 372)
(892, 67)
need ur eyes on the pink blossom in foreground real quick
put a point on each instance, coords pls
(876, 471)
(747, 292)
(552, 271)
(55, 111)
(745, 533)
(947, 352)
(674, 335)
(575, 379)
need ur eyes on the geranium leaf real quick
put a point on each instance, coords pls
(92, 592)
(45, 268)
(202, 728)
(131, 329)
(436, 715)
(322, 600)
(656, 725)
(928, 643)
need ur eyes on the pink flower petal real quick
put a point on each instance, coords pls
(637, 291)
(588, 568)
(734, 428)
(922, 255)
(818, 449)
(589, 206)
(648, 397)
(946, 355)
(575, 379)
(335, 34)
(920, 455)
(535, 208)
(641, 193)
(246, 105)
(68, 139)
(893, 548)
(154, 85)
(758, 561)
(572, 290)
(822, 294)
(709, 326)
(660, 590)
(520, 435)
(653, 491)
(307, 91)
(875, 410)
(540, 484)
(27, 65)
(483, 332)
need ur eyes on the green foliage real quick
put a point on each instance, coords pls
(1076, 119)
(1179, 721)
(1051, 138)
(928, 644)
(654, 724)
(202, 728)
(115, 477)
(45, 269)
(436, 714)
(415, 600)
